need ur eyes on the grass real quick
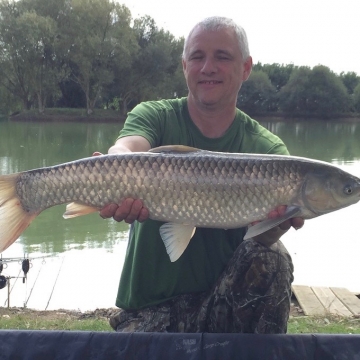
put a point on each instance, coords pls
(26, 323)
(329, 324)
(26, 319)
(46, 320)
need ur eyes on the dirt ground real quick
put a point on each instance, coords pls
(60, 313)
(295, 310)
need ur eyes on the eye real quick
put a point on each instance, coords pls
(223, 57)
(348, 190)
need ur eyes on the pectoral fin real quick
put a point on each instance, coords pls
(268, 224)
(75, 209)
(176, 238)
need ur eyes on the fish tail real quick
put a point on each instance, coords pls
(13, 218)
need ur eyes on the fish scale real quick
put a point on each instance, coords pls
(237, 189)
(180, 185)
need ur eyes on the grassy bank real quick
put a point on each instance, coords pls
(325, 324)
(67, 114)
(27, 319)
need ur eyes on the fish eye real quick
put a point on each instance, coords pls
(348, 190)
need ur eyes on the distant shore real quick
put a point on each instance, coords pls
(69, 115)
(101, 115)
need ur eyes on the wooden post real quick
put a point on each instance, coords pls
(8, 281)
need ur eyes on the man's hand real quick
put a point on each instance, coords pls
(129, 211)
(273, 235)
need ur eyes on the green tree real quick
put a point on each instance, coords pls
(293, 96)
(357, 98)
(350, 80)
(155, 61)
(8, 103)
(257, 94)
(317, 92)
(13, 74)
(278, 74)
(328, 96)
(27, 56)
(42, 72)
(97, 35)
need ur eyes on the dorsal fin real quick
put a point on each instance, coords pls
(174, 149)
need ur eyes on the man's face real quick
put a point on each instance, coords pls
(213, 67)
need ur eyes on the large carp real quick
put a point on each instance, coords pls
(183, 187)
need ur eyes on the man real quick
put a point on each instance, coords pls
(220, 283)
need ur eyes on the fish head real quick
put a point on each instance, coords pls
(330, 190)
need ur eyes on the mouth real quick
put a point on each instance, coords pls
(210, 82)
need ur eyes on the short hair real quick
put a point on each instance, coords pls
(219, 22)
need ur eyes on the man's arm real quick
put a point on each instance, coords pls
(133, 143)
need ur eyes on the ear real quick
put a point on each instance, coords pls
(247, 68)
(183, 64)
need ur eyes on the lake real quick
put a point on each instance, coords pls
(76, 264)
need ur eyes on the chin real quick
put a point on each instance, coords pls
(208, 102)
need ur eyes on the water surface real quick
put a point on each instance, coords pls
(87, 253)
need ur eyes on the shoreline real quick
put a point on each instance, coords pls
(68, 115)
(111, 116)
(65, 118)
(105, 313)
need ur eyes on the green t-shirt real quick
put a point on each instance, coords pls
(148, 277)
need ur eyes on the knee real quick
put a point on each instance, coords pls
(264, 262)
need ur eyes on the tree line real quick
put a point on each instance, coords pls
(300, 91)
(93, 54)
(84, 53)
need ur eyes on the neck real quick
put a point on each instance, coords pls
(212, 122)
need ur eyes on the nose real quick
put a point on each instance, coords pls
(209, 66)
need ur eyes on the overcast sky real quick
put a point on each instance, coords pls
(306, 32)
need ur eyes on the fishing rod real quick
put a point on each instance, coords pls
(25, 267)
(4, 261)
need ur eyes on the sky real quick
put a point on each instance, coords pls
(306, 32)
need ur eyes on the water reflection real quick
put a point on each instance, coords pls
(94, 249)
(322, 140)
(27, 145)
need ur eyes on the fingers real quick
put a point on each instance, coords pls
(129, 211)
(279, 211)
(297, 223)
(96, 153)
(271, 236)
(108, 211)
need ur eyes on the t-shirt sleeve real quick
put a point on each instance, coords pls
(144, 120)
(279, 148)
(263, 141)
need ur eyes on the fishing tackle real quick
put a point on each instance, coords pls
(25, 268)
(3, 281)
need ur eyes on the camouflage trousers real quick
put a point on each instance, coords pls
(252, 295)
